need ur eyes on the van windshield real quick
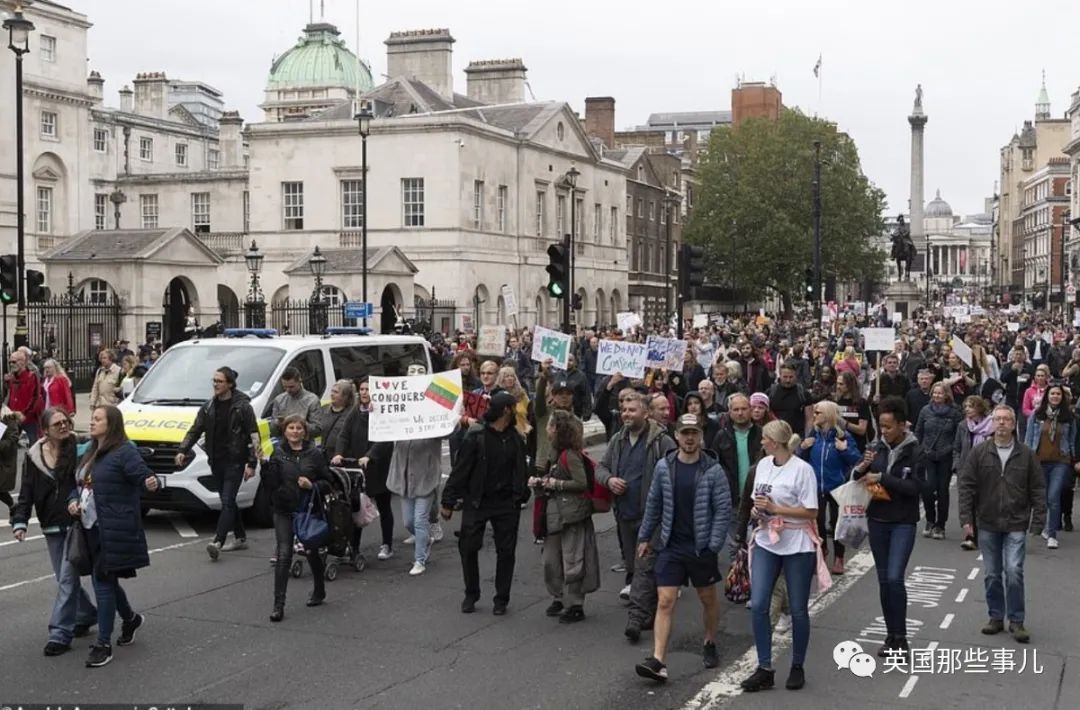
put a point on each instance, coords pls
(183, 375)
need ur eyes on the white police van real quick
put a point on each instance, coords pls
(163, 406)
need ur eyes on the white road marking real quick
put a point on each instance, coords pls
(973, 573)
(726, 684)
(947, 621)
(962, 596)
(6, 523)
(181, 526)
(909, 686)
(25, 539)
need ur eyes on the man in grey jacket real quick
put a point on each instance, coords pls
(627, 471)
(1002, 488)
(295, 400)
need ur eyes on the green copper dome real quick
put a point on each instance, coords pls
(320, 58)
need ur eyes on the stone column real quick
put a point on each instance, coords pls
(917, 120)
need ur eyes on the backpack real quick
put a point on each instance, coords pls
(595, 492)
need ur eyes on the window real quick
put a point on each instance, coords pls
(95, 291)
(478, 204)
(312, 374)
(101, 210)
(292, 199)
(246, 207)
(200, 212)
(44, 210)
(663, 213)
(213, 158)
(47, 48)
(350, 362)
(500, 208)
(641, 173)
(579, 217)
(101, 140)
(352, 204)
(539, 213)
(148, 208)
(652, 211)
(181, 155)
(412, 201)
(48, 124)
(598, 222)
(641, 208)
(560, 211)
(333, 296)
(613, 224)
(146, 149)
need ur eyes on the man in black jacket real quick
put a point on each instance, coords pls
(738, 445)
(490, 477)
(579, 383)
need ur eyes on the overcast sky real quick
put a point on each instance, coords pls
(979, 61)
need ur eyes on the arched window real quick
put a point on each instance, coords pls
(95, 291)
(333, 296)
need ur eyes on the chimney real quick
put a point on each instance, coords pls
(755, 99)
(600, 119)
(424, 55)
(496, 81)
(151, 94)
(127, 103)
(230, 140)
(95, 87)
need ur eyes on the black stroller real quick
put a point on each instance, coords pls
(345, 486)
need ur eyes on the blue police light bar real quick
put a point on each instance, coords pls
(341, 330)
(244, 332)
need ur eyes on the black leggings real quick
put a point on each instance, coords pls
(283, 537)
(6, 499)
(827, 502)
(386, 521)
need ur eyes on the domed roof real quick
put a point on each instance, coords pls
(938, 207)
(320, 58)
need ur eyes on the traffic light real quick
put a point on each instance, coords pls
(575, 302)
(35, 286)
(808, 277)
(9, 279)
(692, 267)
(558, 256)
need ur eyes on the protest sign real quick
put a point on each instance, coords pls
(627, 321)
(1012, 327)
(879, 339)
(492, 340)
(701, 320)
(962, 350)
(666, 353)
(551, 344)
(619, 356)
(509, 300)
(417, 407)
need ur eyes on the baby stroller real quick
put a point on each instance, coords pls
(337, 549)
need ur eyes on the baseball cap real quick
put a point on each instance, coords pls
(688, 421)
(561, 385)
(500, 402)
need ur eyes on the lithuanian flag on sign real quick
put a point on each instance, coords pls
(443, 392)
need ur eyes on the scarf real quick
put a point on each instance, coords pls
(980, 431)
(1052, 421)
(940, 409)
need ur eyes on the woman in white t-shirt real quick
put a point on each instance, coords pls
(785, 540)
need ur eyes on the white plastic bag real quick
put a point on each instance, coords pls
(368, 512)
(851, 499)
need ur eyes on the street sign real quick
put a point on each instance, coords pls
(153, 331)
(358, 309)
(1070, 289)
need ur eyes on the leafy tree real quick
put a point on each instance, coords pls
(753, 211)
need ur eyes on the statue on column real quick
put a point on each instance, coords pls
(903, 248)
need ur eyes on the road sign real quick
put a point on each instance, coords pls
(358, 309)
(1070, 289)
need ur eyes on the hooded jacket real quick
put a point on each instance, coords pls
(657, 445)
(45, 491)
(712, 505)
(830, 464)
(243, 445)
(903, 474)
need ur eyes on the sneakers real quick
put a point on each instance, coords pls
(624, 593)
(1051, 543)
(1044, 535)
(994, 626)
(385, 552)
(796, 678)
(572, 615)
(927, 531)
(468, 605)
(937, 534)
(618, 567)
(100, 655)
(316, 599)
(410, 540)
(968, 544)
(1019, 633)
(783, 623)
(235, 545)
(55, 648)
(555, 608)
(278, 613)
(214, 550)
(652, 669)
(709, 655)
(632, 632)
(436, 532)
(418, 568)
(761, 680)
(82, 630)
(128, 629)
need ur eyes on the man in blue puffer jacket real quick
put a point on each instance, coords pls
(689, 508)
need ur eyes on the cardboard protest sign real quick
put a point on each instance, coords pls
(1012, 327)
(879, 339)
(417, 407)
(627, 321)
(962, 350)
(509, 300)
(619, 356)
(701, 320)
(492, 340)
(551, 344)
(666, 353)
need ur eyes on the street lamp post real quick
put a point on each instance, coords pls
(671, 202)
(363, 120)
(571, 182)
(117, 198)
(317, 306)
(255, 307)
(19, 29)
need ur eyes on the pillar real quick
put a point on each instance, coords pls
(917, 120)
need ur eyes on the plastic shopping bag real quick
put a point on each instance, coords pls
(852, 499)
(368, 512)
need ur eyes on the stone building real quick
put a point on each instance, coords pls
(1072, 150)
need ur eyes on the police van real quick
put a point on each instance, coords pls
(163, 406)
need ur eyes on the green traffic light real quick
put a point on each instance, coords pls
(555, 289)
(7, 296)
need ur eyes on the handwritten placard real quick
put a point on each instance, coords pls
(879, 339)
(551, 344)
(666, 353)
(627, 321)
(417, 407)
(962, 350)
(492, 340)
(509, 300)
(701, 320)
(1012, 327)
(619, 356)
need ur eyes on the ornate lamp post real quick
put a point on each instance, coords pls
(363, 120)
(317, 306)
(255, 307)
(19, 29)
(117, 198)
(570, 180)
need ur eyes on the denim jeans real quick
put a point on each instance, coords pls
(1056, 475)
(229, 476)
(798, 572)
(72, 606)
(936, 499)
(891, 545)
(414, 512)
(111, 598)
(1003, 555)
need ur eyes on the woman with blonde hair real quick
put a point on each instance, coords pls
(57, 386)
(507, 379)
(785, 540)
(936, 428)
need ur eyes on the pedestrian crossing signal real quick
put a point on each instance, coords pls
(9, 279)
(557, 270)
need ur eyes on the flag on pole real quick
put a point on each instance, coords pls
(817, 67)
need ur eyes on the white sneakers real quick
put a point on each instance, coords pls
(436, 532)
(417, 569)
(410, 540)
(624, 593)
(385, 552)
(1051, 543)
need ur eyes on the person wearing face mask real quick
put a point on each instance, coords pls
(936, 428)
(1050, 434)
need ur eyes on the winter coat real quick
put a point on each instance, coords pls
(415, 468)
(903, 475)
(9, 456)
(58, 394)
(726, 448)
(330, 423)
(119, 478)
(831, 466)
(1016, 384)
(106, 387)
(657, 445)
(353, 443)
(583, 403)
(1002, 499)
(712, 505)
(243, 444)
(567, 505)
(962, 443)
(937, 430)
(282, 472)
(46, 492)
(25, 395)
(467, 477)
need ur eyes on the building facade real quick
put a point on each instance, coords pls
(1072, 188)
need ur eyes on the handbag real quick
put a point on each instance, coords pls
(368, 512)
(737, 582)
(77, 550)
(309, 524)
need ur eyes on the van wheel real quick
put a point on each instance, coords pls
(260, 514)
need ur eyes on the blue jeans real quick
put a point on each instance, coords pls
(72, 606)
(1003, 554)
(1056, 475)
(798, 571)
(111, 598)
(414, 512)
(891, 545)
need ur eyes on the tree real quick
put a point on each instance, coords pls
(753, 211)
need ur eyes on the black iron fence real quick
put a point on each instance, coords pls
(304, 317)
(434, 315)
(74, 331)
